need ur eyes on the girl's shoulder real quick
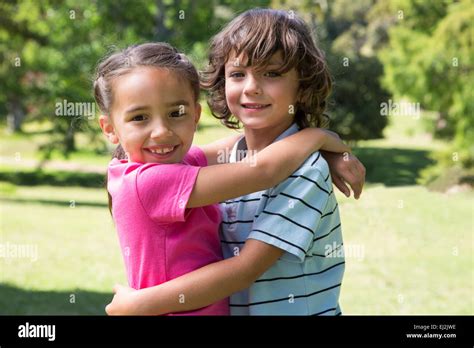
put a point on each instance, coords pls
(195, 157)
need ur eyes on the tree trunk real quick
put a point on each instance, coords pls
(69, 141)
(15, 115)
(162, 33)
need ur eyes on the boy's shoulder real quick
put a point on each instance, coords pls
(313, 172)
(316, 162)
(316, 167)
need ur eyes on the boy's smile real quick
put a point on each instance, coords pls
(261, 99)
(255, 106)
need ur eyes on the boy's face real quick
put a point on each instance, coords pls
(153, 115)
(261, 99)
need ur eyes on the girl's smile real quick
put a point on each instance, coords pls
(162, 152)
(153, 115)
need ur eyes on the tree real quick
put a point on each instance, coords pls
(358, 93)
(50, 48)
(430, 59)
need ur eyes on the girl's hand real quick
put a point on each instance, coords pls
(122, 302)
(346, 168)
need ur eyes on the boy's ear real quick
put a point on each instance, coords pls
(108, 129)
(198, 114)
(299, 96)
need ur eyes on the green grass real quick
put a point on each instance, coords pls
(77, 251)
(417, 251)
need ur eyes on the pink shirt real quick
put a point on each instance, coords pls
(159, 237)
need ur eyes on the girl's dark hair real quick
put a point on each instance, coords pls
(258, 34)
(158, 55)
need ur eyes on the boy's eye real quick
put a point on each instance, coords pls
(138, 118)
(177, 113)
(236, 74)
(272, 74)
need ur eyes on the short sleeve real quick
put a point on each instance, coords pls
(293, 212)
(196, 157)
(164, 190)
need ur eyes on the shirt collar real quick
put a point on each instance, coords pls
(240, 146)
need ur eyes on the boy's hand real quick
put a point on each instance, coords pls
(346, 168)
(121, 303)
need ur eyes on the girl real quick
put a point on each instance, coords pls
(283, 246)
(162, 196)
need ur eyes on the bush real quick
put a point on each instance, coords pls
(53, 178)
(445, 173)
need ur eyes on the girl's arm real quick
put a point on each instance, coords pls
(266, 169)
(199, 288)
(346, 168)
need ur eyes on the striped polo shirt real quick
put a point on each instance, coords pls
(300, 216)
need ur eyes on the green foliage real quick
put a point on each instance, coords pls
(430, 60)
(54, 178)
(355, 111)
(448, 171)
(393, 166)
(50, 48)
(440, 178)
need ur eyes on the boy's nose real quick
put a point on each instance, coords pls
(252, 86)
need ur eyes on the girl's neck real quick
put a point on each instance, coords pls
(258, 139)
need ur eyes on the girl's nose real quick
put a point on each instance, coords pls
(161, 130)
(252, 86)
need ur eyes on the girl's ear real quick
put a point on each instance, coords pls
(108, 129)
(197, 115)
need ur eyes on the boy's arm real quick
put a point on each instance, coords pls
(199, 288)
(219, 149)
(266, 169)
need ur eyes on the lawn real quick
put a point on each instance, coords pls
(408, 250)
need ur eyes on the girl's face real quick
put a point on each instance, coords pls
(261, 99)
(153, 115)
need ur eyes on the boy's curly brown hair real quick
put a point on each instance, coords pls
(258, 34)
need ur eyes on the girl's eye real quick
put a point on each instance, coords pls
(138, 118)
(272, 74)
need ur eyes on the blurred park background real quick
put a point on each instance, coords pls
(403, 97)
